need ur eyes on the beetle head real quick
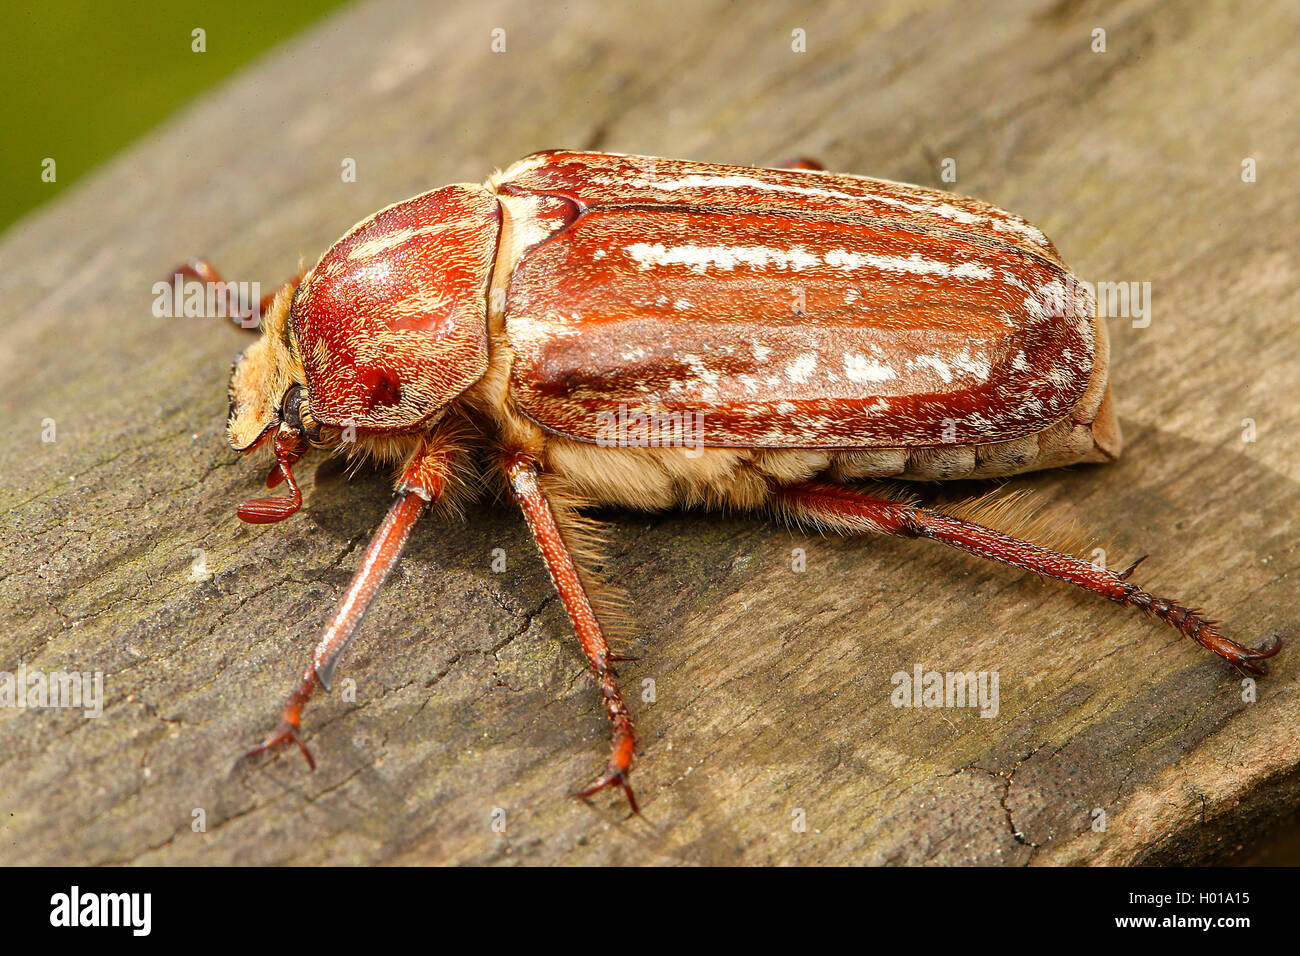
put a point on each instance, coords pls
(270, 403)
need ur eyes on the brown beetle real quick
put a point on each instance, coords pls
(647, 333)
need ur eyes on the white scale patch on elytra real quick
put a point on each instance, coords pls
(700, 258)
(528, 331)
(941, 209)
(859, 368)
(1047, 299)
(698, 181)
(801, 368)
(932, 361)
(977, 367)
(1020, 228)
(915, 263)
(703, 378)
(526, 222)
(1061, 373)
(958, 365)
(1011, 279)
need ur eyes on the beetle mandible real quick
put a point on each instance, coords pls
(645, 333)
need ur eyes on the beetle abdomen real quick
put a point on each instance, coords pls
(788, 310)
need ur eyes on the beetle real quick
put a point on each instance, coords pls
(606, 329)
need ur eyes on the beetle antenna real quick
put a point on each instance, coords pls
(288, 449)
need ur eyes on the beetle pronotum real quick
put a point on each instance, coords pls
(645, 333)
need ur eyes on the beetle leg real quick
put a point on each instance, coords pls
(205, 271)
(801, 162)
(422, 482)
(522, 474)
(842, 508)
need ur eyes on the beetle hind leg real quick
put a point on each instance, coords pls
(834, 506)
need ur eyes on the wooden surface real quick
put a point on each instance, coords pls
(771, 686)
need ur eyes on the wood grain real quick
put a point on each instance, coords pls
(771, 686)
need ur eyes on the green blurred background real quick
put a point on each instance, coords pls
(83, 79)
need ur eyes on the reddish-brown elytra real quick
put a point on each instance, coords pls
(640, 332)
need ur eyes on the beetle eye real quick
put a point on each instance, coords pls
(291, 408)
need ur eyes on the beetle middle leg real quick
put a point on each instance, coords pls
(848, 510)
(522, 475)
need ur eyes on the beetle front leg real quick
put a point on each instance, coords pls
(522, 474)
(423, 481)
(848, 510)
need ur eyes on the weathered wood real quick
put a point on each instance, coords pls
(771, 686)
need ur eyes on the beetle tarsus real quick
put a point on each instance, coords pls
(1202, 630)
(1252, 660)
(287, 731)
(614, 778)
